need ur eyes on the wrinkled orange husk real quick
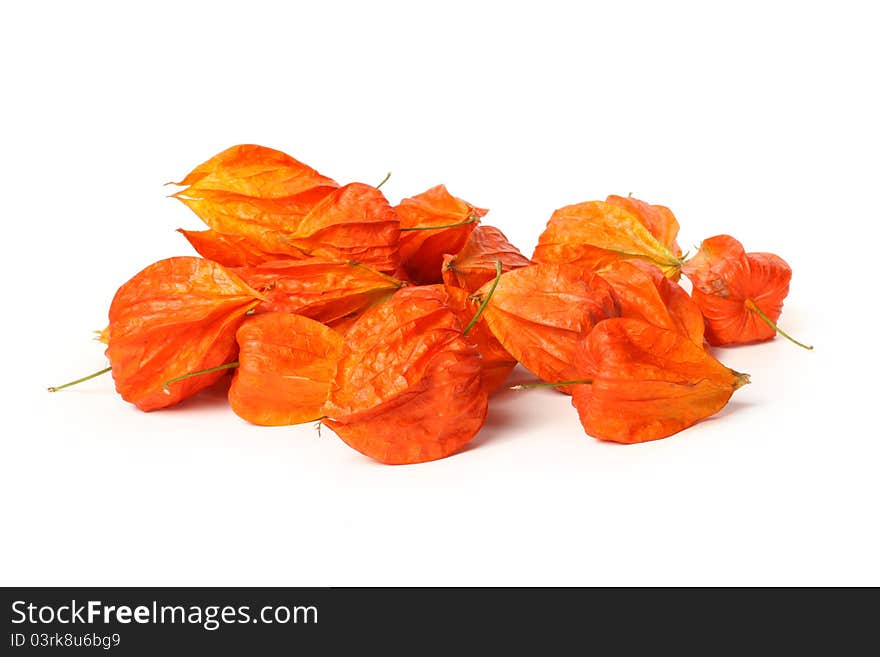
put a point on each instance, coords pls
(474, 265)
(256, 171)
(595, 234)
(656, 218)
(495, 363)
(726, 279)
(540, 312)
(286, 363)
(407, 387)
(261, 225)
(323, 290)
(643, 292)
(354, 222)
(227, 250)
(647, 382)
(251, 197)
(175, 317)
(422, 251)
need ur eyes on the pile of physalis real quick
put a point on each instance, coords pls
(393, 325)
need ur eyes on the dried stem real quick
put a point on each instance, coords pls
(543, 384)
(469, 220)
(486, 299)
(176, 379)
(85, 378)
(751, 305)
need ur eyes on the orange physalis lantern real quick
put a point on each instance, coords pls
(539, 314)
(643, 292)
(595, 234)
(323, 290)
(285, 365)
(474, 265)
(407, 387)
(740, 294)
(256, 171)
(658, 219)
(227, 250)
(175, 317)
(433, 224)
(646, 382)
(496, 363)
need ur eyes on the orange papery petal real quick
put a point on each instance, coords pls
(255, 171)
(643, 292)
(278, 206)
(718, 265)
(322, 290)
(407, 387)
(343, 324)
(286, 363)
(175, 317)
(595, 234)
(539, 314)
(422, 251)
(354, 222)
(656, 218)
(496, 363)
(647, 382)
(256, 194)
(727, 281)
(474, 265)
(770, 280)
(227, 250)
(265, 225)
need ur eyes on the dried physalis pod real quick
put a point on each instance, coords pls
(285, 365)
(175, 317)
(595, 234)
(256, 171)
(407, 386)
(658, 219)
(260, 226)
(740, 294)
(539, 314)
(474, 265)
(251, 192)
(227, 250)
(641, 382)
(643, 292)
(496, 363)
(321, 289)
(355, 223)
(433, 224)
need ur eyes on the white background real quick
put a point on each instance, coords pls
(758, 119)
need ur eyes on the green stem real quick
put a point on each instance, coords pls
(751, 305)
(485, 300)
(384, 180)
(542, 384)
(467, 221)
(85, 378)
(225, 366)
